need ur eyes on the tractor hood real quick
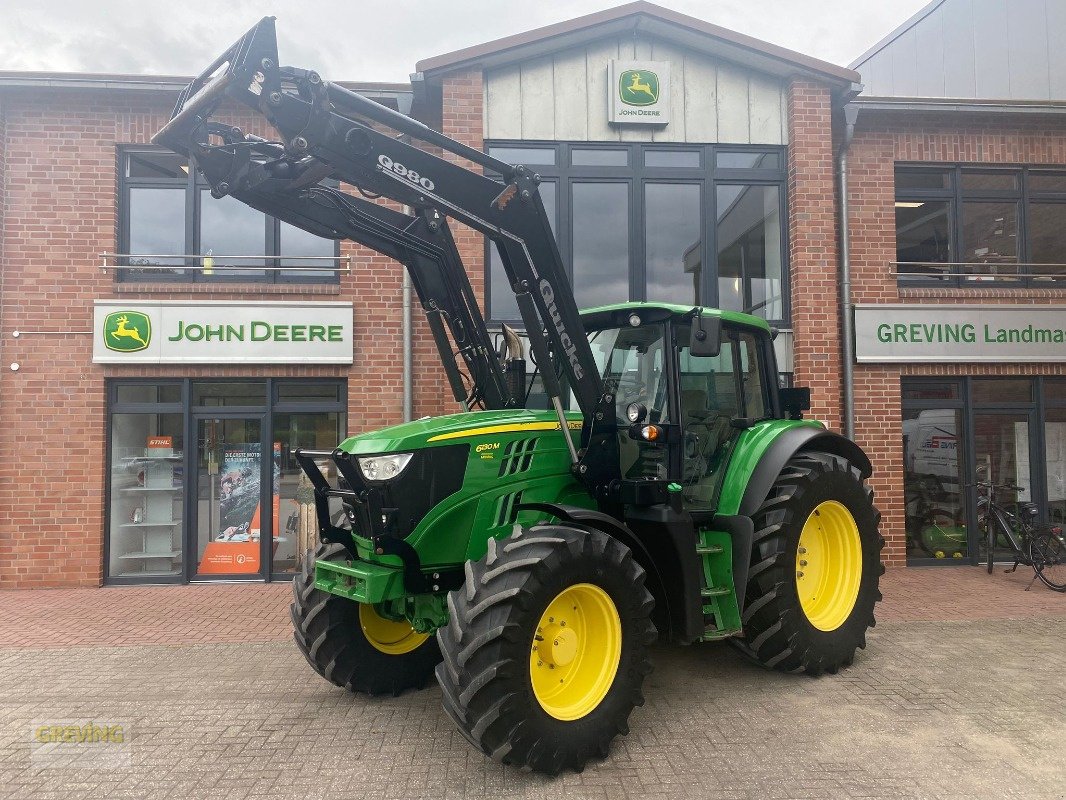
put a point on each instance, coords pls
(454, 429)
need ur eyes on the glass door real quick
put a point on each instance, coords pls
(234, 507)
(1003, 453)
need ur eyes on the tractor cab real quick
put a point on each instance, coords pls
(686, 382)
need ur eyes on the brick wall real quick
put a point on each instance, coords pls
(58, 163)
(880, 141)
(813, 249)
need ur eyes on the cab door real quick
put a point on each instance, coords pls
(718, 396)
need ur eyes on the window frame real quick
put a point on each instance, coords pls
(1023, 196)
(194, 187)
(272, 405)
(637, 175)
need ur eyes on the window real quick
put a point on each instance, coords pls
(189, 490)
(698, 224)
(168, 217)
(966, 225)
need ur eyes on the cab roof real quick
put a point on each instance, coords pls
(604, 316)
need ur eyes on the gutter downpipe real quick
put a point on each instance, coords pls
(851, 116)
(406, 335)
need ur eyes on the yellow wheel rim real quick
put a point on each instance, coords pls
(386, 635)
(575, 651)
(829, 565)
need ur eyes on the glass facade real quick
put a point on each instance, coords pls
(961, 225)
(1007, 431)
(203, 481)
(167, 216)
(674, 223)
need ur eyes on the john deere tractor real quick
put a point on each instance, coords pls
(647, 480)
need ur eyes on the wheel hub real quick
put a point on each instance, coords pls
(575, 652)
(394, 638)
(829, 565)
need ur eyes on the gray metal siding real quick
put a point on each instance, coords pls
(563, 97)
(973, 49)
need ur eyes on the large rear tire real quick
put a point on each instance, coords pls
(545, 650)
(815, 568)
(350, 644)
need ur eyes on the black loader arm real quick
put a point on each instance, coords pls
(329, 132)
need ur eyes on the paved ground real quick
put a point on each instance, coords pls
(959, 695)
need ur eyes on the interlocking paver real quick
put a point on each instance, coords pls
(958, 695)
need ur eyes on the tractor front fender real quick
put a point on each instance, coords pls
(670, 614)
(783, 447)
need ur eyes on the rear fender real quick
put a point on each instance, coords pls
(782, 448)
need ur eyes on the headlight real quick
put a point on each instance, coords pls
(383, 468)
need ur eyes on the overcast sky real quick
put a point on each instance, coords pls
(379, 40)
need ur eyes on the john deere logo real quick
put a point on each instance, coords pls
(638, 87)
(127, 331)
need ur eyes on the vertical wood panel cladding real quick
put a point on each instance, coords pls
(563, 97)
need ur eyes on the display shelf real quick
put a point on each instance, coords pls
(171, 554)
(148, 573)
(170, 524)
(151, 489)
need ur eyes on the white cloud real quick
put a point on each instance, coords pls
(378, 41)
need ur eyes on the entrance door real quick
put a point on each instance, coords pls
(1004, 454)
(234, 509)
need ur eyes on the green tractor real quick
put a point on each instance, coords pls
(529, 552)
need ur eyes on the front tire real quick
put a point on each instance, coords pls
(545, 651)
(350, 644)
(815, 568)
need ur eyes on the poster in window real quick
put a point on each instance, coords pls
(235, 548)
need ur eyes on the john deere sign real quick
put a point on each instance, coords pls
(639, 92)
(967, 333)
(162, 332)
(127, 331)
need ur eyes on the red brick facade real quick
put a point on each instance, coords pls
(881, 140)
(59, 191)
(59, 211)
(812, 244)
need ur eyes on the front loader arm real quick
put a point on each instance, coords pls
(421, 241)
(323, 124)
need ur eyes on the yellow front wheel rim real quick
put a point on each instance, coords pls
(575, 651)
(829, 565)
(388, 636)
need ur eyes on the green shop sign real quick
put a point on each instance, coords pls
(638, 92)
(162, 332)
(960, 333)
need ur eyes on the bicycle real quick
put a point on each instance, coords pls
(1042, 547)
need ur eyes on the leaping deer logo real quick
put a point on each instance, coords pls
(638, 87)
(122, 331)
(127, 331)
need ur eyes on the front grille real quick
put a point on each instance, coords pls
(431, 476)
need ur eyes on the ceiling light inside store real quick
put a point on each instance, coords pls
(900, 204)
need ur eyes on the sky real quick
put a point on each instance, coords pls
(379, 40)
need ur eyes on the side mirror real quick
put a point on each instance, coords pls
(706, 337)
(795, 401)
